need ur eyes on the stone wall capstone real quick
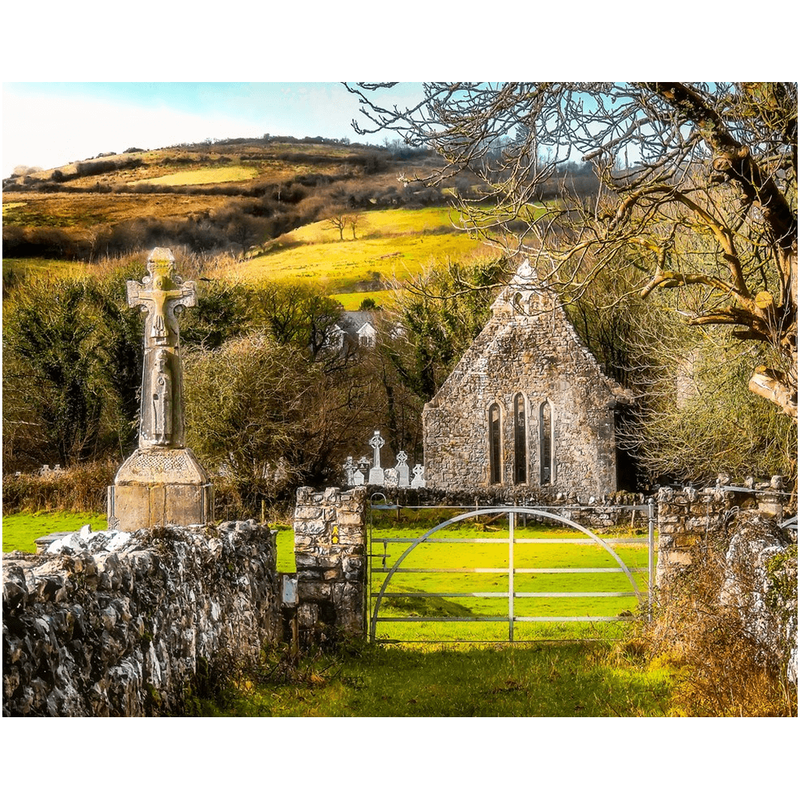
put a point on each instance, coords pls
(118, 623)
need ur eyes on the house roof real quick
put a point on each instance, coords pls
(352, 322)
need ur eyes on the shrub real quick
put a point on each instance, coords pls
(727, 626)
(79, 488)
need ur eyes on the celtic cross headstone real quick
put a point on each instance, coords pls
(376, 473)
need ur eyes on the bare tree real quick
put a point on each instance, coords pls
(341, 220)
(337, 222)
(353, 220)
(698, 190)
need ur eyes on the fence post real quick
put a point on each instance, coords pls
(651, 525)
(511, 518)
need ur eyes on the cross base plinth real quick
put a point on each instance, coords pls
(158, 487)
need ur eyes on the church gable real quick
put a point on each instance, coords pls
(527, 406)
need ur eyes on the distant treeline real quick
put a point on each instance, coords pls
(266, 212)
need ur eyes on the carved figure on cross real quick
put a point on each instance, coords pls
(160, 293)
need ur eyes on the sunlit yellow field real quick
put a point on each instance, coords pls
(194, 177)
(351, 301)
(389, 245)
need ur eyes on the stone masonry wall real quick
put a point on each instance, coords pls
(758, 561)
(118, 624)
(687, 518)
(329, 535)
(527, 348)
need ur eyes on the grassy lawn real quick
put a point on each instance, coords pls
(449, 593)
(20, 531)
(542, 680)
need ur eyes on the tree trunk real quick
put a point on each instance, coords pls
(774, 387)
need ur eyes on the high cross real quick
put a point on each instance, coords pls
(159, 294)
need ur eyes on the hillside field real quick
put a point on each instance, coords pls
(389, 246)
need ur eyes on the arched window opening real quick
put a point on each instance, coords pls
(546, 443)
(495, 445)
(517, 303)
(520, 441)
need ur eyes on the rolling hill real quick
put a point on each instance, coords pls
(266, 202)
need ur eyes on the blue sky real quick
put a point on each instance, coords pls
(51, 124)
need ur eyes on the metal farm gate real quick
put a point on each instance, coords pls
(389, 562)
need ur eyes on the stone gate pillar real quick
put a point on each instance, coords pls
(686, 520)
(329, 546)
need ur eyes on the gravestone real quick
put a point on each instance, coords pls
(419, 477)
(376, 473)
(162, 483)
(402, 469)
(391, 478)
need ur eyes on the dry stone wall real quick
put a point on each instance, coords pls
(118, 624)
(758, 562)
(761, 583)
(690, 519)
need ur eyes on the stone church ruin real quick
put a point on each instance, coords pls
(527, 407)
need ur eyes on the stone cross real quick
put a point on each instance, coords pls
(160, 293)
(402, 468)
(376, 473)
(349, 469)
(162, 483)
(376, 442)
(419, 477)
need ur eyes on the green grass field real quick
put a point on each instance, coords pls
(541, 680)
(449, 593)
(20, 531)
